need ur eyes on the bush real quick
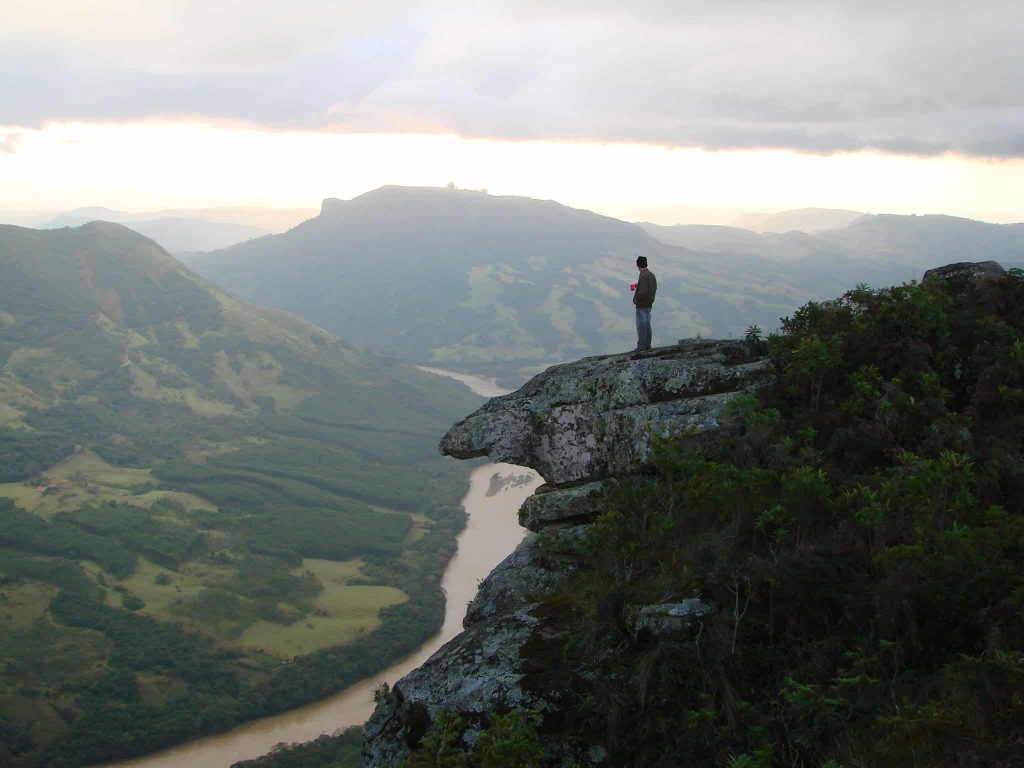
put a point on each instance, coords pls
(860, 543)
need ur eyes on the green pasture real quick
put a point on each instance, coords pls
(30, 635)
(86, 467)
(342, 612)
(420, 525)
(168, 601)
(85, 478)
(26, 496)
(33, 715)
(252, 377)
(156, 690)
(339, 614)
(23, 604)
(9, 416)
(203, 406)
(146, 386)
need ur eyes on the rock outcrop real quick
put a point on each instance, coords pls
(966, 274)
(596, 417)
(583, 426)
(669, 619)
(550, 506)
(578, 425)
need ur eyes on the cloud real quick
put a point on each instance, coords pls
(9, 141)
(915, 77)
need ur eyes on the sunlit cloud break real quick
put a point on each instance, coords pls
(153, 164)
(919, 78)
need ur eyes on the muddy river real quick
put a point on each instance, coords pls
(491, 533)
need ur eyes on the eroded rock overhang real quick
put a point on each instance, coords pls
(596, 417)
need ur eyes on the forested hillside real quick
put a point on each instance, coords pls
(208, 511)
(509, 285)
(498, 285)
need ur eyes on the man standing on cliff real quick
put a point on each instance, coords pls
(643, 299)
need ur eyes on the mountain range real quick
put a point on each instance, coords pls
(803, 219)
(260, 217)
(509, 285)
(177, 235)
(895, 245)
(178, 230)
(191, 229)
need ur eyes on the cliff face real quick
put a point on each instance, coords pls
(844, 569)
(578, 425)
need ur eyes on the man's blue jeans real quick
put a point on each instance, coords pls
(643, 327)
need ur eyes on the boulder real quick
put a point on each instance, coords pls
(576, 424)
(515, 583)
(668, 620)
(965, 275)
(558, 506)
(476, 673)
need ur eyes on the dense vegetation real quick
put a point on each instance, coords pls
(858, 541)
(861, 544)
(209, 512)
(343, 750)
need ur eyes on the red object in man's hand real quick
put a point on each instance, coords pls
(632, 286)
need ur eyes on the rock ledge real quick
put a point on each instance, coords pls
(577, 424)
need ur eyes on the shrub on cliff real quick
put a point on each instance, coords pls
(861, 543)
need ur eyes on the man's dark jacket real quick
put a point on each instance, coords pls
(646, 287)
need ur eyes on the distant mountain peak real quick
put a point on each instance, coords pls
(331, 205)
(803, 219)
(397, 194)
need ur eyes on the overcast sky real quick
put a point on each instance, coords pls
(906, 79)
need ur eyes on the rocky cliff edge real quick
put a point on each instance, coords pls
(578, 425)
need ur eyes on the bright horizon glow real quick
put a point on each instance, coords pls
(152, 164)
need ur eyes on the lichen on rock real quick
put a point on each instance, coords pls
(596, 417)
(550, 506)
(577, 424)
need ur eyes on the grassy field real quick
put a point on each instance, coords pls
(342, 612)
(169, 600)
(339, 613)
(26, 496)
(22, 605)
(420, 525)
(157, 690)
(72, 656)
(30, 627)
(202, 406)
(9, 417)
(145, 385)
(90, 468)
(85, 478)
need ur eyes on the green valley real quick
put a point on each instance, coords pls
(209, 511)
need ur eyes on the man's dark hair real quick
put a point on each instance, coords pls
(641, 261)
